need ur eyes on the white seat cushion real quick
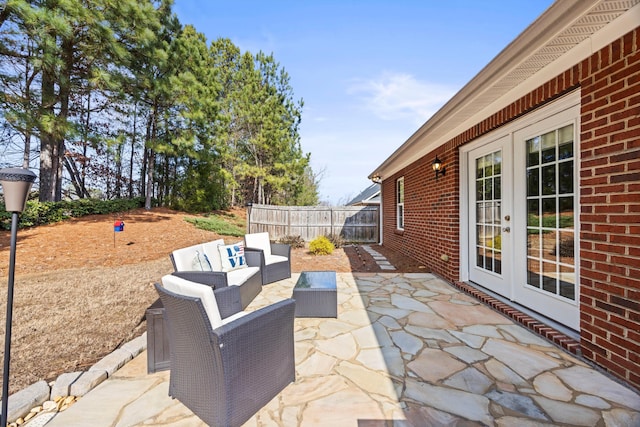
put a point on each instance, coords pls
(180, 286)
(258, 241)
(239, 276)
(274, 259)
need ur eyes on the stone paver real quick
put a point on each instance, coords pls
(21, 402)
(406, 350)
(63, 384)
(380, 259)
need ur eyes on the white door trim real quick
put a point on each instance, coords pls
(569, 103)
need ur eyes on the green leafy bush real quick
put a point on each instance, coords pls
(548, 221)
(41, 213)
(293, 241)
(321, 246)
(565, 247)
(495, 243)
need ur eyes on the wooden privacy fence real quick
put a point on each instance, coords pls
(358, 224)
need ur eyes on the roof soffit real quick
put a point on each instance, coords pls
(566, 25)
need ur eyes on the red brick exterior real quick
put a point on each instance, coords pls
(609, 201)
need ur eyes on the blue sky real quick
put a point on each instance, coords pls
(369, 72)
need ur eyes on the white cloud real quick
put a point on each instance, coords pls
(398, 96)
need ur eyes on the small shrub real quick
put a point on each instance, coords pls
(336, 240)
(495, 243)
(293, 241)
(566, 247)
(321, 246)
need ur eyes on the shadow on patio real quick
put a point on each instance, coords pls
(406, 350)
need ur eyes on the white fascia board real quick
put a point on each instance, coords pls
(551, 23)
(613, 31)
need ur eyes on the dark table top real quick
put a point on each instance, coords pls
(316, 280)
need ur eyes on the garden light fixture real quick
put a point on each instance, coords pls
(16, 184)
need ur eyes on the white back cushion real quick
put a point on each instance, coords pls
(183, 258)
(211, 251)
(180, 286)
(258, 241)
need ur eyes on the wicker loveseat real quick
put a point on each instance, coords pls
(219, 265)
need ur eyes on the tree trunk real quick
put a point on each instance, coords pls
(71, 168)
(61, 121)
(118, 182)
(133, 148)
(47, 141)
(27, 131)
(143, 173)
(149, 191)
(83, 168)
(151, 138)
(108, 176)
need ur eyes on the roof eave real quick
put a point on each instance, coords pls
(448, 122)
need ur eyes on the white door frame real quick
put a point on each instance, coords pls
(567, 106)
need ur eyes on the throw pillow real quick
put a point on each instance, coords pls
(232, 256)
(200, 262)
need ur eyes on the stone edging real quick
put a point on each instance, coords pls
(74, 384)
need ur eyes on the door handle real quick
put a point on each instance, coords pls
(506, 229)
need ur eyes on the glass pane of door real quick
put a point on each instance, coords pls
(550, 241)
(488, 188)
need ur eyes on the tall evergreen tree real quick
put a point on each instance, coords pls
(268, 139)
(77, 45)
(119, 94)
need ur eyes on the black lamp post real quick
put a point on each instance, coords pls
(16, 183)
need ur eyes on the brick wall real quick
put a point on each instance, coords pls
(609, 198)
(610, 208)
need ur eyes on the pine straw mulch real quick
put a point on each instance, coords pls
(81, 290)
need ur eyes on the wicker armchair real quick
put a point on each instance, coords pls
(225, 371)
(275, 258)
(211, 273)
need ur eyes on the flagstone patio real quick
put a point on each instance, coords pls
(406, 350)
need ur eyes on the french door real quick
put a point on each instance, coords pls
(547, 184)
(522, 211)
(489, 183)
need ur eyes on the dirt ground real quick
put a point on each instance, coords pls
(81, 289)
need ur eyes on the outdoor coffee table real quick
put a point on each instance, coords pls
(316, 294)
